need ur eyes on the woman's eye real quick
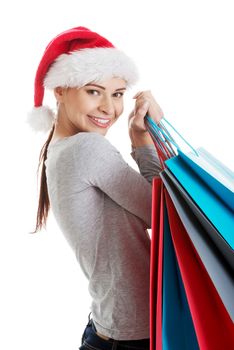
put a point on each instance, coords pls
(118, 94)
(97, 93)
(93, 92)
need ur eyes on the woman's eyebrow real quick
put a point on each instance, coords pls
(103, 88)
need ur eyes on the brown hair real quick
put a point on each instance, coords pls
(43, 202)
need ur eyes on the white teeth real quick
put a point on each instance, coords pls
(102, 121)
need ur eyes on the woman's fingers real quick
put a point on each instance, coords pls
(154, 110)
(137, 94)
(136, 118)
(147, 92)
(145, 104)
(142, 108)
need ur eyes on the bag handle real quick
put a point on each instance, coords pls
(164, 150)
(159, 130)
(163, 144)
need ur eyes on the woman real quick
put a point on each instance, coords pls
(101, 204)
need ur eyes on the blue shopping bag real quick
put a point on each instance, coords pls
(177, 325)
(204, 178)
(216, 175)
(213, 207)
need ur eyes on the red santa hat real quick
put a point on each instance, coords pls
(75, 58)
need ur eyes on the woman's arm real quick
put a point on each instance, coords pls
(140, 138)
(143, 149)
(104, 167)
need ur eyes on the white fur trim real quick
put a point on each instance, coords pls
(89, 65)
(41, 118)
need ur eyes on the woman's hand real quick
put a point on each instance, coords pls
(145, 104)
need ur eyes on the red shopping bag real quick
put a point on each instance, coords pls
(156, 265)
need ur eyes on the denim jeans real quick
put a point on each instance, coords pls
(91, 341)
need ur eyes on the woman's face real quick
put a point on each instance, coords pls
(93, 107)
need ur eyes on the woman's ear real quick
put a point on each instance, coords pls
(59, 93)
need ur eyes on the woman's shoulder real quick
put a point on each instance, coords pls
(80, 139)
(85, 148)
(92, 140)
(89, 136)
(87, 151)
(84, 144)
(93, 150)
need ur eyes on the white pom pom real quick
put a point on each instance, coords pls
(41, 118)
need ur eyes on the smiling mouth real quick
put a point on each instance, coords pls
(102, 122)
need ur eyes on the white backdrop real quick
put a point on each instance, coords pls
(184, 51)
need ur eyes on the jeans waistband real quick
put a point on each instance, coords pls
(111, 340)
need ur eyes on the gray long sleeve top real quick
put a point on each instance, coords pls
(103, 208)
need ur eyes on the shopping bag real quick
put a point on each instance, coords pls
(215, 174)
(215, 209)
(177, 325)
(197, 244)
(207, 310)
(157, 280)
(213, 325)
(218, 269)
(222, 246)
(210, 187)
(156, 265)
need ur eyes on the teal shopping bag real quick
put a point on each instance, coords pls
(209, 184)
(206, 199)
(216, 175)
(177, 325)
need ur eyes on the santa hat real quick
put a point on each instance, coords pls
(75, 58)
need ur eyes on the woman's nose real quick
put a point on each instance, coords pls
(107, 105)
